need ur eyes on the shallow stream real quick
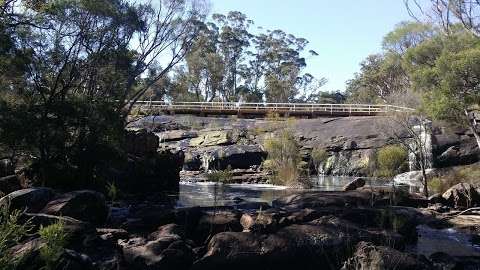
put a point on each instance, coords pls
(210, 194)
(430, 241)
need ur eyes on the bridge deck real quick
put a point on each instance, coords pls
(262, 109)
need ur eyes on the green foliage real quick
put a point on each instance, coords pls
(391, 160)
(284, 159)
(467, 174)
(67, 104)
(407, 35)
(11, 232)
(220, 176)
(382, 77)
(446, 70)
(55, 239)
(227, 62)
(112, 191)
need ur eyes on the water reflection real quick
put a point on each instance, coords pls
(448, 241)
(209, 194)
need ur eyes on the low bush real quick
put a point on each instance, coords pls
(55, 239)
(284, 159)
(465, 174)
(11, 233)
(392, 160)
(220, 176)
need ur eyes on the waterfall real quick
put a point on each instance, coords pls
(424, 131)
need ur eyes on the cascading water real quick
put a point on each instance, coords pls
(424, 144)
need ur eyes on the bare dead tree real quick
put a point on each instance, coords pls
(170, 31)
(408, 130)
(447, 12)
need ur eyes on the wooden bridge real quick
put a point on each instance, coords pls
(264, 109)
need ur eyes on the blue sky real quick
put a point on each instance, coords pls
(342, 32)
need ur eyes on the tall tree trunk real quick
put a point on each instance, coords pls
(424, 180)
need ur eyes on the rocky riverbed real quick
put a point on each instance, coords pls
(313, 230)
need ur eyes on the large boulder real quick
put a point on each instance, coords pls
(354, 184)
(324, 199)
(266, 221)
(85, 205)
(414, 178)
(163, 250)
(314, 245)
(79, 232)
(462, 195)
(462, 151)
(369, 256)
(212, 138)
(32, 199)
(213, 222)
(9, 184)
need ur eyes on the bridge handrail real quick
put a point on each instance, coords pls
(278, 105)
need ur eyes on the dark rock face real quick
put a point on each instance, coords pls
(462, 195)
(148, 169)
(6, 167)
(156, 172)
(369, 256)
(452, 149)
(141, 142)
(84, 205)
(220, 158)
(356, 183)
(322, 242)
(32, 199)
(9, 184)
(349, 141)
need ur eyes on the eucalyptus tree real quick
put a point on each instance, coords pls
(233, 41)
(382, 75)
(447, 70)
(88, 62)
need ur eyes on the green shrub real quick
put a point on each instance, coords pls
(391, 160)
(466, 174)
(11, 232)
(284, 159)
(112, 191)
(55, 239)
(220, 176)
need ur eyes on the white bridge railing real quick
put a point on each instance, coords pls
(267, 107)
